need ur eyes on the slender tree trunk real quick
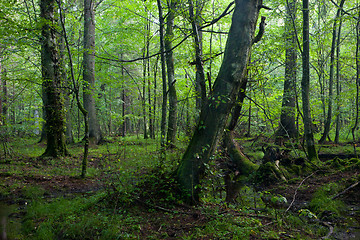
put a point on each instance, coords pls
(5, 97)
(331, 77)
(146, 70)
(172, 121)
(287, 127)
(214, 115)
(2, 117)
(77, 96)
(50, 65)
(151, 125)
(200, 75)
(338, 84)
(357, 56)
(163, 76)
(95, 135)
(123, 105)
(153, 114)
(66, 91)
(143, 99)
(305, 87)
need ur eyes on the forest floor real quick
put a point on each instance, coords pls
(121, 198)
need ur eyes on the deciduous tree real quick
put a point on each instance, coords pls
(226, 87)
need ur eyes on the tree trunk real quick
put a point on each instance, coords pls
(2, 94)
(240, 164)
(151, 115)
(95, 135)
(143, 97)
(123, 104)
(76, 91)
(50, 65)
(153, 110)
(287, 127)
(331, 76)
(200, 75)
(66, 91)
(305, 87)
(357, 56)
(163, 76)
(172, 121)
(214, 115)
(338, 84)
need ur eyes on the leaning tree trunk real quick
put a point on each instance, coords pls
(172, 121)
(287, 126)
(50, 66)
(331, 76)
(215, 113)
(95, 135)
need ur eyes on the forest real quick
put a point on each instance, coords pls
(179, 119)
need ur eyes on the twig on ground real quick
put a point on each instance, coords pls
(331, 229)
(292, 202)
(347, 189)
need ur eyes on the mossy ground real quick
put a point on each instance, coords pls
(129, 193)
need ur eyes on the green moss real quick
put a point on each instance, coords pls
(323, 204)
(268, 173)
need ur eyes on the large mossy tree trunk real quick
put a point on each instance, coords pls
(172, 120)
(215, 113)
(241, 165)
(287, 127)
(95, 135)
(50, 66)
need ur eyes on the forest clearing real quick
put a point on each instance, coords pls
(196, 119)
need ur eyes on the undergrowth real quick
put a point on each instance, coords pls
(139, 199)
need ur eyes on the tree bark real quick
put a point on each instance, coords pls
(240, 164)
(77, 96)
(287, 126)
(200, 75)
(172, 121)
(305, 87)
(2, 97)
(338, 84)
(163, 76)
(50, 66)
(214, 115)
(66, 89)
(331, 76)
(95, 135)
(357, 60)
(143, 97)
